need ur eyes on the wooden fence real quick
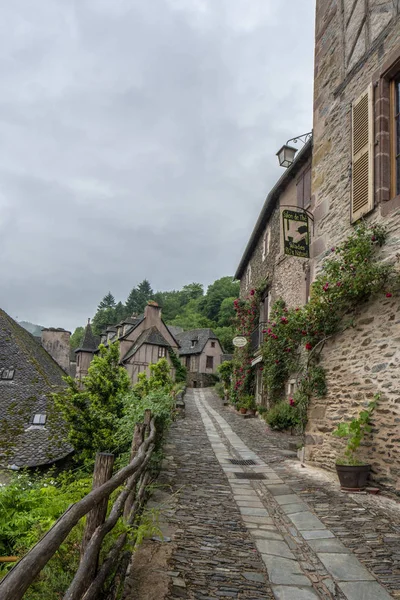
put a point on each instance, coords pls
(90, 577)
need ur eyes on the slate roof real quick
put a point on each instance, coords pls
(33, 376)
(149, 336)
(89, 342)
(200, 335)
(174, 330)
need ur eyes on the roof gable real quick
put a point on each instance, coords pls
(201, 336)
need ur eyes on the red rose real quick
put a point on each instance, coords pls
(388, 295)
(308, 346)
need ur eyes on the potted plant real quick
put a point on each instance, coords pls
(247, 405)
(352, 472)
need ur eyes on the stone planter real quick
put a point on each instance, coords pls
(353, 478)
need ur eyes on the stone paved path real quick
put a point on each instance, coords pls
(284, 536)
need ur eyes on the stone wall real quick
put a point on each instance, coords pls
(56, 342)
(360, 362)
(286, 274)
(353, 47)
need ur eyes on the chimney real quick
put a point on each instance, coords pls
(152, 314)
(56, 342)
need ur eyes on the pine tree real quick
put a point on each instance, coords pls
(107, 302)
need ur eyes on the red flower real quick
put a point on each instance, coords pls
(373, 239)
(291, 402)
(339, 283)
(264, 331)
(277, 362)
(308, 346)
(388, 295)
(252, 292)
(304, 332)
(333, 249)
(284, 320)
(326, 286)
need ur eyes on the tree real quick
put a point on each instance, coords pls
(222, 288)
(102, 319)
(138, 298)
(192, 291)
(76, 338)
(91, 412)
(107, 302)
(226, 312)
(119, 313)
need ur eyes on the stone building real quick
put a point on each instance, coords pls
(143, 341)
(355, 174)
(264, 261)
(31, 432)
(201, 353)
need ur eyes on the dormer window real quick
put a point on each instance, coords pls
(194, 342)
(7, 374)
(39, 419)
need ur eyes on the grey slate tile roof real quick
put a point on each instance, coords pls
(27, 393)
(89, 342)
(149, 336)
(200, 335)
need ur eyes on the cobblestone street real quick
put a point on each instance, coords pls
(268, 528)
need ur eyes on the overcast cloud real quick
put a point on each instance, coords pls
(138, 139)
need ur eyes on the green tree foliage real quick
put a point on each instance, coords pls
(107, 302)
(188, 308)
(91, 412)
(222, 288)
(76, 338)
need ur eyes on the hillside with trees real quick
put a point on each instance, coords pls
(189, 308)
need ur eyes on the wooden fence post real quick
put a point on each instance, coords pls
(102, 472)
(137, 441)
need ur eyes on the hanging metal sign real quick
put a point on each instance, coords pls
(239, 341)
(296, 233)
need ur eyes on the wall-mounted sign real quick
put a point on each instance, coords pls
(296, 233)
(239, 341)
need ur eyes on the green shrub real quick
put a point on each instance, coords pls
(282, 416)
(220, 389)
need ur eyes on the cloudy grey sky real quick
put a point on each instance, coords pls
(138, 139)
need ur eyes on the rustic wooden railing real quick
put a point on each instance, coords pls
(90, 577)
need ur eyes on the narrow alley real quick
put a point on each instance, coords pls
(248, 522)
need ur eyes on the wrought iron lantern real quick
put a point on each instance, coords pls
(286, 155)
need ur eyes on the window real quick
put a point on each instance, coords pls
(212, 344)
(188, 362)
(210, 362)
(78, 359)
(194, 342)
(248, 276)
(162, 352)
(264, 308)
(266, 242)
(39, 419)
(395, 135)
(303, 189)
(7, 374)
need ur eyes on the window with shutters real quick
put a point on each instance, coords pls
(362, 188)
(303, 188)
(395, 135)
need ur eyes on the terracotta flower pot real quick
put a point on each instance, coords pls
(243, 411)
(353, 478)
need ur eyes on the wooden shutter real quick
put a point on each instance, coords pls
(362, 188)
